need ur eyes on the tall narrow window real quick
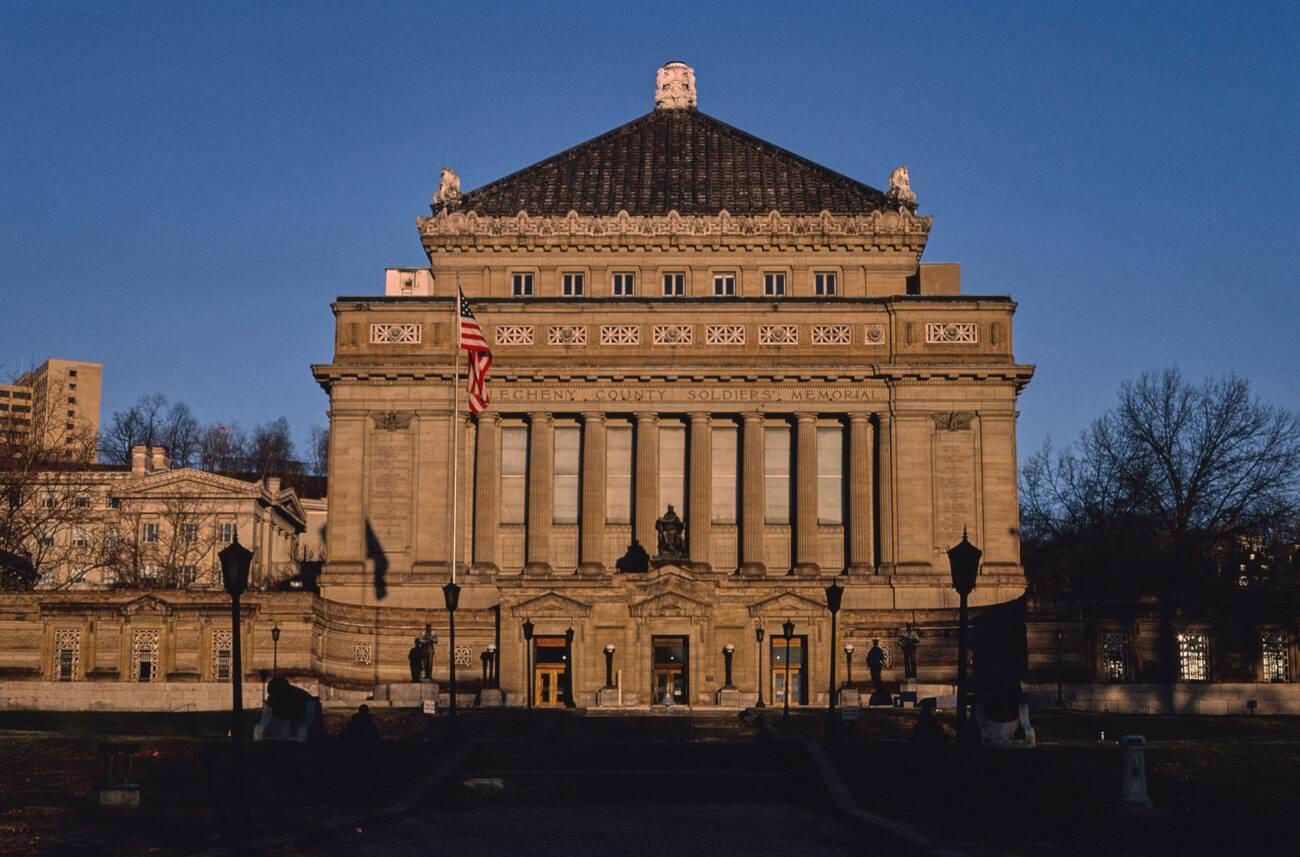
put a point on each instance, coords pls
(618, 474)
(514, 470)
(830, 475)
(564, 509)
(672, 468)
(226, 532)
(1275, 661)
(724, 285)
(724, 474)
(824, 283)
(189, 532)
(774, 285)
(776, 474)
(150, 532)
(144, 655)
(624, 284)
(522, 285)
(1114, 656)
(674, 285)
(221, 655)
(1193, 656)
(572, 285)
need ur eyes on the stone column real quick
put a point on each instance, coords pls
(885, 496)
(752, 497)
(861, 523)
(699, 528)
(592, 543)
(346, 534)
(805, 494)
(487, 484)
(541, 492)
(647, 481)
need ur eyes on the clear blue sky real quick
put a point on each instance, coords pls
(184, 187)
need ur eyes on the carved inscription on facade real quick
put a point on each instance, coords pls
(583, 393)
(954, 480)
(390, 468)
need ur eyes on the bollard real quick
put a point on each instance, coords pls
(1133, 795)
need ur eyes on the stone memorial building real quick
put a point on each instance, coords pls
(707, 348)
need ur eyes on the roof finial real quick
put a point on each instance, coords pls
(675, 87)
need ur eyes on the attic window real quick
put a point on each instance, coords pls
(573, 285)
(724, 285)
(522, 285)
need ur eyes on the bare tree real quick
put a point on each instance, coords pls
(142, 424)
(272, 449)
(320, 451)
(1158, 489)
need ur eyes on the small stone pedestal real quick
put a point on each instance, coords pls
(731, 697)
(607, 697)
(850, 697)
(118, 792)
(491, 697)
(407, 694)
(908, 693)
(881, 698)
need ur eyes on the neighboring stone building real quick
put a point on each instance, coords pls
(681, 315)
(56, 407)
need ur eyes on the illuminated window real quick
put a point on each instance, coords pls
(1114, 656)
(1275, 659)
(1193, 656)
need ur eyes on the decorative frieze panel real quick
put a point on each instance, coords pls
(144, 654)
(778, 334)
(567, 334)
(462, 656)
(874, 335)
(674, 334)
(67, 654)
(724, 334)
(620, 334)
(950, 333)
(363, 654)
(403, 333)
(831, 334)
(514, 334)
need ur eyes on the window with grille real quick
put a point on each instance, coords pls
(672, 468)
(624, 285)
(226, 533)
(824, 283)
(150, 532)
(776, 474)
(144, 655)
(186, 575)
(724, 285)
(82, 501)
(774, 285)
(514, 469)
(618, 474)
(674, 285)
(67, 653)
(189, 532)
(572, 285)
(522, 285)
(565, 502)
(1275, 660)
(1114, 656)
(221, 655)
(724, 460)
(1193, 656)
(830, 475)
(80, 539)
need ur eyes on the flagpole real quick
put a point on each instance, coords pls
(455, 430)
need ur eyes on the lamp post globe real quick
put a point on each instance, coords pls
(758, 638)
(728, 651)
(609, 665)
(849, 648)
(275, 649)
(451, 597)
(787, 628)
(494, 675)
(964, 563)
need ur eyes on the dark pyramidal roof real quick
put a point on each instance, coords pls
(667, 160)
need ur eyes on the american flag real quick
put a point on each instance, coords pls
(479, 356)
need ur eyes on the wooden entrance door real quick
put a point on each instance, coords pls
(798, 689)
(549, 685)
(671, 676)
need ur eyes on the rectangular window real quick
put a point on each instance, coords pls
(47, 539)
(51, 502)
(724, 285)
(571, 285)
(674, 285)
(1193, 656)
(564, 507)
(514, 473)
(82, 501)
(618, 474)
(522, 285)
(221, 655)
(776, 474)
(774, 285)
(1275, 660)
(830, 475)
(624, 285)
(824, 283)
(1114, 656)
(112, 538)
(79, 539)
(186, 575)
(150, 533)
(724, 474)
(189, 532)
(67, 664)
(114, 502)
(226, 532)
(222, 665)
(672, 468)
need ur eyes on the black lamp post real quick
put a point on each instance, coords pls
(758, 637)
(568, 668)
(609, 666)
(848, 663)
(1060, 698)
(788, 628)
(528, 647)
(494, 675)
(484, 658)
(964, 560)
(834, 598)
(727, 652)
(451, 594)
(235, 562)
(275, 649)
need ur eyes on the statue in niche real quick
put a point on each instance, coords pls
(900, 187)
(672, 542)
(448, 193)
